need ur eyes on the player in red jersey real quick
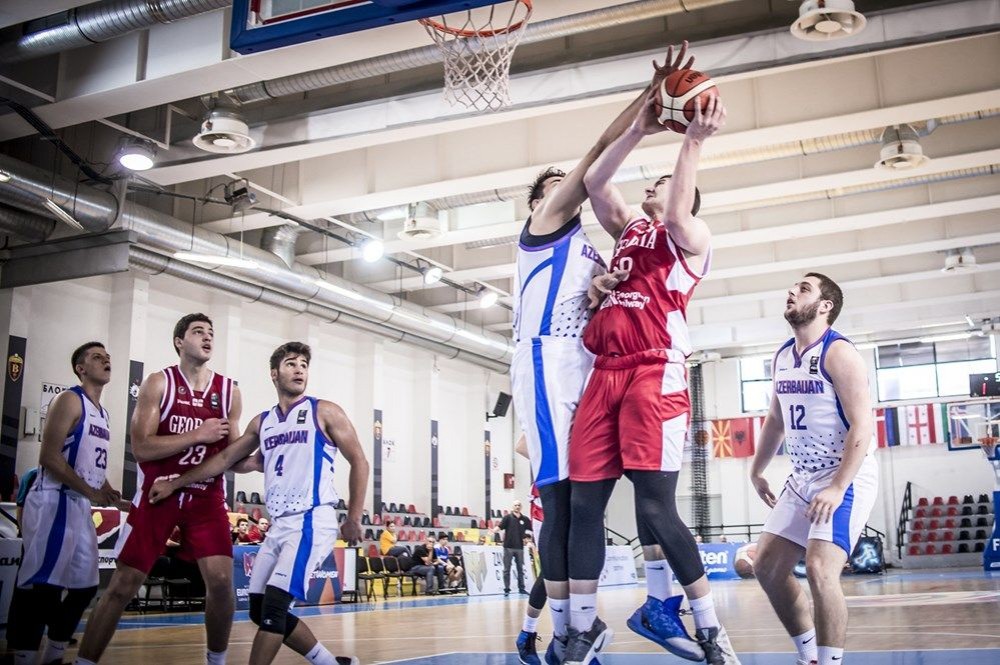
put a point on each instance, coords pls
(634, 413)
(185, 414)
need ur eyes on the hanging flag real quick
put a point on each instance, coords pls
(722, 439)
(880, 428)
(743, 441)
(917, 425)
(892, 436)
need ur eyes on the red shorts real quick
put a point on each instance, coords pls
(633, 416)
(203, 522)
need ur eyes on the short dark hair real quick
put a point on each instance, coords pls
(184, 323)
(697, 196)
(242, 520)
(829, 290)
(535, 190)
(81, 353)
(290, 349)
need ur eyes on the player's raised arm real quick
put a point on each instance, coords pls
(232, 454)
(339, 429)
(689, 232)
(557, 207)
(147, 445)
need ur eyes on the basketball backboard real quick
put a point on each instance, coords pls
(261, 25)
(971, 421)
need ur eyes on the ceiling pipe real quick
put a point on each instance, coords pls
(30, 186)
(33, 228)
(157, 264)
(167, 233)
(381, 65)
(280, 241)
(802, 147)
(99, 22)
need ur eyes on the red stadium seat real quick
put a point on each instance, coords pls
(952, 500)
(920, 512)
(420, 536)
(411, 508)
(256, 514)
(932, 537)
(937, 512)
(938, 501)
(952, 511)
(372, 551)
(922, 501)
(931, 550)
(465, 512)
(950, 524)
(398, 521)
(914, 550)
(437, 523)
(482, 523)
(918, 525)
(240, 508)
(916, 537)
(934, 525)
(947, 549)
(489, 524)
(377, 519)
(460, 537)
(949, 536)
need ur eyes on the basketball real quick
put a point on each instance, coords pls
(744, 560)
(677, 94)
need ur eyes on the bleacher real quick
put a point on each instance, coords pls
(945, 532)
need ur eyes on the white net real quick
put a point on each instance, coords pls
(477, 46)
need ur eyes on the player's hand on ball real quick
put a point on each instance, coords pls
(763, 490)
(824, 504)
(708, 120)
(106, 496)
(160, 490)
(350, 530)
(212, 430)
(671, 64)
(604, 284)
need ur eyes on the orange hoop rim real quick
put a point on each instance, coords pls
(468, 34)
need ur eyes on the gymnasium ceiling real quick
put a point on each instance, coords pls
(788, 186)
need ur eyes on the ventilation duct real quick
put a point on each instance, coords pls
(32, 228)
(99, 22)
(556, 28)
(166, 233)
(280, 241)
(900, 148)
(223, 131)
(29, 187)
(824, 20)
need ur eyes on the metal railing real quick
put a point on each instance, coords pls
(904, 513)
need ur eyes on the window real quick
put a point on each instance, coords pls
(755, 383)
(918, 370)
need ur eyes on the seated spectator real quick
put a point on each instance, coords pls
(242, 535)
(452, 565)
(387, 539)
(258, 531)
(423, 562)
(27, 480)
(482, 540)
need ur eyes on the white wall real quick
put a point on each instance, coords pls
(357, 370)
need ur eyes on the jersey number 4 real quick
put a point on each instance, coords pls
(194, 455)
(796, 412)
(279, 466)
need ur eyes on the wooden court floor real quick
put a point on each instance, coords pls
(908, 617)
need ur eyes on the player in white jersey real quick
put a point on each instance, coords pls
(296, 443)
(60, 542)
(556, 264)
(822, 409)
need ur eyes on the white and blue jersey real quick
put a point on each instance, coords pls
(816, 430)
(550, 364)
(60, 541)
(298, 459)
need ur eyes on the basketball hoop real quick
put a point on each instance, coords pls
(477, 47)
(989, 446)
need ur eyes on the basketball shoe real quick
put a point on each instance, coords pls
(526, 652)
(556, 652)
(583, 647)
(660, 622)
(718, 649)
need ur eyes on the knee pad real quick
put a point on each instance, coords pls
(291, 621)
(274, 614)
(256, 607)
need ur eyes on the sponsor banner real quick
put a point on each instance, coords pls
(10, 561)
(719, 560)
(991, 555)
(619, 566)
(326, 584)
(108, 523)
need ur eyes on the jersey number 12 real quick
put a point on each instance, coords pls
(796, 412)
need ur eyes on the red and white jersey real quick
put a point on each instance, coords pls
(535, 511)
(648, 311)
(182, 410)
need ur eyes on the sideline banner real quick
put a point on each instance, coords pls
(619, 566)
(484, 569)
(326, 584)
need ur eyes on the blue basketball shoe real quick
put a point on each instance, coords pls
(660, 622)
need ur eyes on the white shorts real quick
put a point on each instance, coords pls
(788, 518)
(60, 541)
(547, 376)
(295, 546)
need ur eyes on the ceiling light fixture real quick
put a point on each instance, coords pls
(63, 216)
(137, 155)
(373, 250)
(432, 275)
(488, 298)
(823, 20)
(900, 149)
(4, 176)
(224, 131)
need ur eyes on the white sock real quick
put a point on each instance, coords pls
(806, 645)
(215, 658)
(831, 656)
(530, 624)
(83, 661)
(25, 657)
(704, 611)
(559, 611)
(54, 651)
(320, 655)
(658, 582)
(582, 610)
